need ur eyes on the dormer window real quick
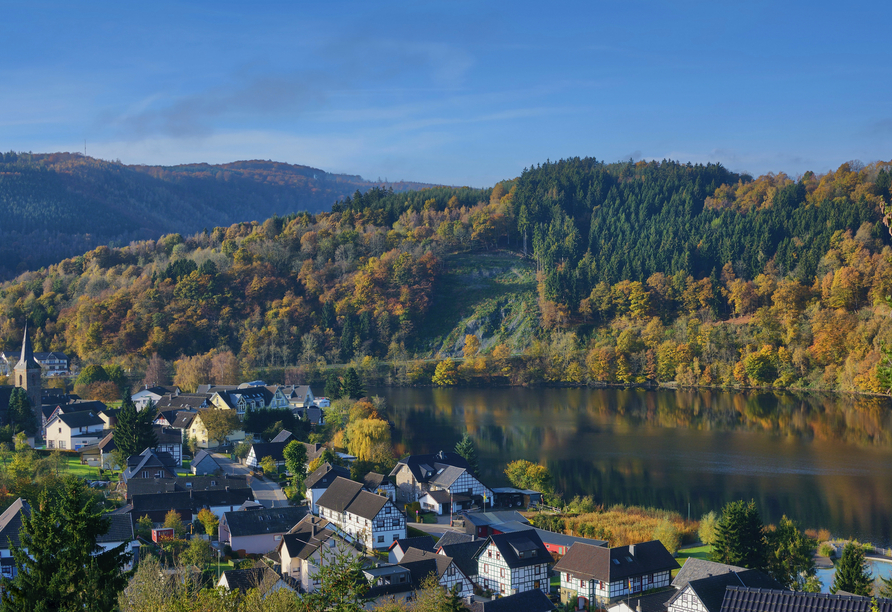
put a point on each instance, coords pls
(629, 559)
(616, 561)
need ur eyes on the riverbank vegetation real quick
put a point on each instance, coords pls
(577, 272)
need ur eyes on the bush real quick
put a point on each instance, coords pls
(825, 550)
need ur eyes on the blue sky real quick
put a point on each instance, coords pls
(464, 93)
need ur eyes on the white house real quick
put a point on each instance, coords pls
(74, 430)
(310, 545)
(600, 574)
(422, 563)
(319, 481)
(372, 519)
(509, 563)
(148, 394)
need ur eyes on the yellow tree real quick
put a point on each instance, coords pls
(446, 374)
(364, 435)
(472, 345)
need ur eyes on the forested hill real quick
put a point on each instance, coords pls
(577, 270)
(58, 205)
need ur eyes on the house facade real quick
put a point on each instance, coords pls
(258, 531)
(318, 482)
(371, 519)
(599, 574)
(412, 475)
(309, 546)
(422, 563)
(511, 563)
(74, 430)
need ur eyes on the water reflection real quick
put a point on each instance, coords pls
(824, 460)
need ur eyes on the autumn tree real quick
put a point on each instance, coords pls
(472, 346)
(363, 435)
(268, 465)
(446, 374)
(527, 475)
(173, 520)
(220, 424)
(157, 372)
(209, 521)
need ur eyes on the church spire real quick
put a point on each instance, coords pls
(27, 361)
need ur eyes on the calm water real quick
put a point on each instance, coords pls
(824, 460)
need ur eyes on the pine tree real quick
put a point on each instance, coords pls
(58, 563)
(852, 575)
(21, 415)
(739, 538)
(133, 433)
(352, 387)
(790, 559)
(467, 449)
(333, 386)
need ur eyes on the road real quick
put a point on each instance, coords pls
(267, 493)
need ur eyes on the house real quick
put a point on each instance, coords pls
(484, 524)
(413, 474)
(259, 450)
(388, 583)
(170, 440)
(53, 364)
(313, 414)
(399, 548)
(283, 436)
(297, 396)
(695, 569)
(559, 543)
(422, 563)
(258, 531)
(152, 394)
(120, 531)
(49, 411)
(309, 546)
(380, 484)
(744, 599)
(460, 484)
(439, 502)
(510, 497)
(260, 577)
(242, 398)
(204, 463)
(597, 575)
(463, 554)
(198, 432)
(372, 519)
(10, 524)
(317, 482)
(183, 401)
(527, 601)
(148, 486)
(186, 503)
(149, 464)
(510, 563)
(706, 594)
(74, 430)
(99, 454)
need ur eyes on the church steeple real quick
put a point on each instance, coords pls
(27, 373)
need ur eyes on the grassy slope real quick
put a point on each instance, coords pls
(490, 294)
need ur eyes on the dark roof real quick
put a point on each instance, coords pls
(695, 569)
(184, 419)
(463, 554)
(612, 564)
(454, 537)
(251, 578)
(422, 563)
(306, 537)
(421, 543)
(324, 475)
(189, 401)
(373, 480)
(259, 522)
(654, 602)
(513, 545)
(80, 419)
(202, 456)
(447, 475)
(161, 390)
(282, 436)
(711, 590)
(120, 530)
(11, 522)
(339, 494)
(195, 500)
(560, 539)
(743, 599)
(27, 360)
(148, 486)
(367, 505)
(168, 435)
(533, 600)
(149, 460)
(313, 450)
(425, 467)
(269, 449)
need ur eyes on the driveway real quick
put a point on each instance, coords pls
(267, 493)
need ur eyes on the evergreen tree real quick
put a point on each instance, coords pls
(352, 386)
(790, 559)
(133, 433)
(21, 415)
(852, 575)
(467, 449)
(739, 538)
(59, 565)
(333, 386)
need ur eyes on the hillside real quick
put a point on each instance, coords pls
(574, 272)
(59, 205)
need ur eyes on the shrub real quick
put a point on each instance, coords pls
(825, 550)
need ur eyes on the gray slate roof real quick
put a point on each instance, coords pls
(260, 522)
(597, 562)
(421, 543)
(454, 537)
(695, 569)
(324, 475)
(464, 554)
(120, 529)
(422, 563)
(711, 590)
(425, 467)
(533, 600)
(510, 545)
(84, 418)
(260, 576)
(194, 500)
(743, 599)
(11, 523)
(345, 495)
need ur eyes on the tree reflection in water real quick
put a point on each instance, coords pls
(824, 460)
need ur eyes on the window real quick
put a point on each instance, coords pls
(489, 552)
(60, 430)
(277, 538)
(387, 510)
(396, 537)
(536, 584)
(581, 583)
(616, 561)
(61, 443)
(502, 572)
(396, 523)
(380, 539)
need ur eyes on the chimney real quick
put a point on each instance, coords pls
(312, 530)
(227, 488)
(632, 549)
(638, 607)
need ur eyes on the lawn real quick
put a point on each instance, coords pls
(698, 552)
(74, 467)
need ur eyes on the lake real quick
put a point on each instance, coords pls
(824, 460)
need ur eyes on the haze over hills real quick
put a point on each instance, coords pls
(61, 204)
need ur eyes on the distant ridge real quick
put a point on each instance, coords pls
(56, 205)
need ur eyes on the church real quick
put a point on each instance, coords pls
(25, 375)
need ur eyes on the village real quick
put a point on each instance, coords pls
(428, 518)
